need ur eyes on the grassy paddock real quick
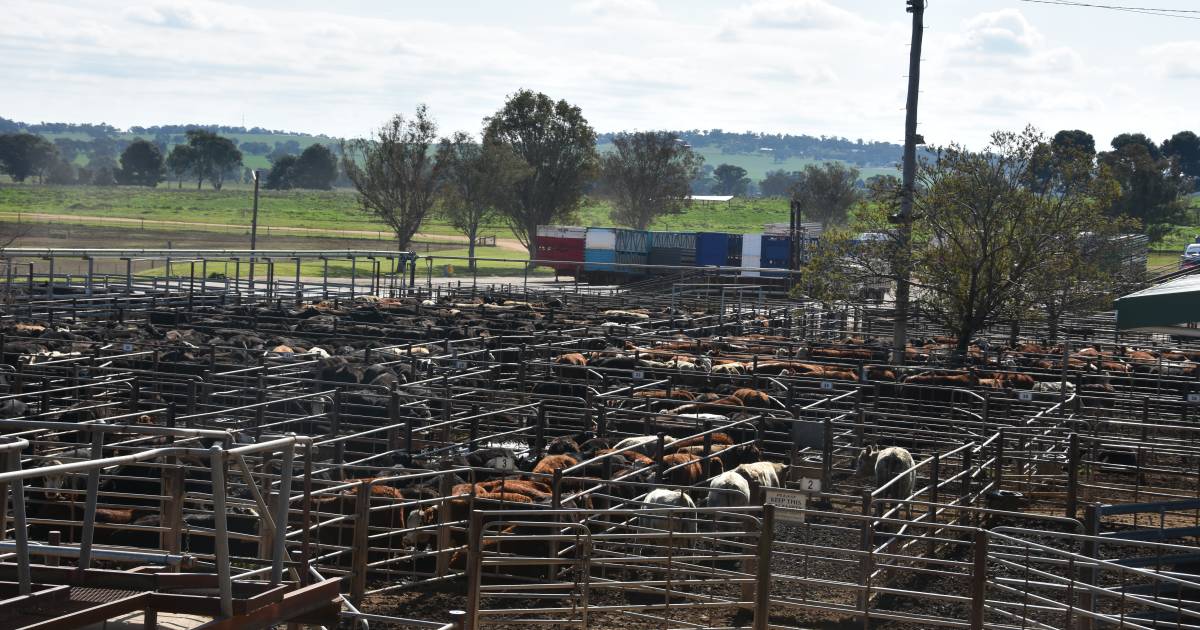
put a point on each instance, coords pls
(323, 210)
(225, 217)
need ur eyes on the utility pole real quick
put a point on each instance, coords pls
(903, 260)
(253, 230)
(254, 218)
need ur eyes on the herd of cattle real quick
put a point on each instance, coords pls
(723, 376)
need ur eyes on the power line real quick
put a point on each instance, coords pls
(1186, 14)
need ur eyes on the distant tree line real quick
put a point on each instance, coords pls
(785, 146)
(201, 155)
(105, 129)
(1152, 180)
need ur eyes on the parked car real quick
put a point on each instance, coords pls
(1190, 257)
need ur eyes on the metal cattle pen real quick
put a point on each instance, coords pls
(218, 436)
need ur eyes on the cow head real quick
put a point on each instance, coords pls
(865, 466)
(54, 483)
(418, 518)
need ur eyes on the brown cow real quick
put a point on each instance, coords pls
(717, 438)
(842, 353)
(753, 398)
(839, 375)
(969, 379)
(690, 470)
(550, 463)
(631, 456)
(574, 365)
(730, 456)
(572, 358)
(880, 373)
(1115, 366)
(537, 491)
(722, 406)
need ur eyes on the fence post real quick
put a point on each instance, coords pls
(827, 456)
(358, 571)
(967, 463)
(445, 488)
(539, 436)
(393, 437)
(762, 582)
(998, 464)
(707, 461)
(1072, 475)
(934, 482)
(172, 508)
(474, 533)
(864, 567)
(660, 465)
(1146, 409)
(1088, 574)
(89, 516)
(979, 579)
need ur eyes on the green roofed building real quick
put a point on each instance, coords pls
(1170, 308)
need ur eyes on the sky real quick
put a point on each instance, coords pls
(820, 67)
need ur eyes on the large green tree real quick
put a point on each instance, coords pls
(141, 164)
(646, 175)
(1139, 139)
(282, 175)
(395, 173)
(181, 161)
(478, 178)
(1152, 188)
(316, 168)
(214, 157)
(730, 180)
(778, 183)
(1074, 141)
(988, 243)
(24, 155)
(559, 146)
(1184, 148)
(826, 191)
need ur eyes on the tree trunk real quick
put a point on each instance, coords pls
(1052, 321)
(199, 181)
(1014, 333)
(963, 343)
(471, 248)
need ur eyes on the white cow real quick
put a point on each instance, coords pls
(761, 475)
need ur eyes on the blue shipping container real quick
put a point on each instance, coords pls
(673, 240)
(598, 256)
(712, 248)
(733, 254)
(776, 247)
(637, 241)
(631, 258)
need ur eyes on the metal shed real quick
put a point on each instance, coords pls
(1172, 308)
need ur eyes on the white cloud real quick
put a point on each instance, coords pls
(833, 67)
(620, 9)
(170, 16)
(1006, 40)
(1175, 60)
(794, 15)
(1005, 32)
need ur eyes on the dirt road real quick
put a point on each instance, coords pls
(510, 244)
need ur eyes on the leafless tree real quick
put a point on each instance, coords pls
(395, 173)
